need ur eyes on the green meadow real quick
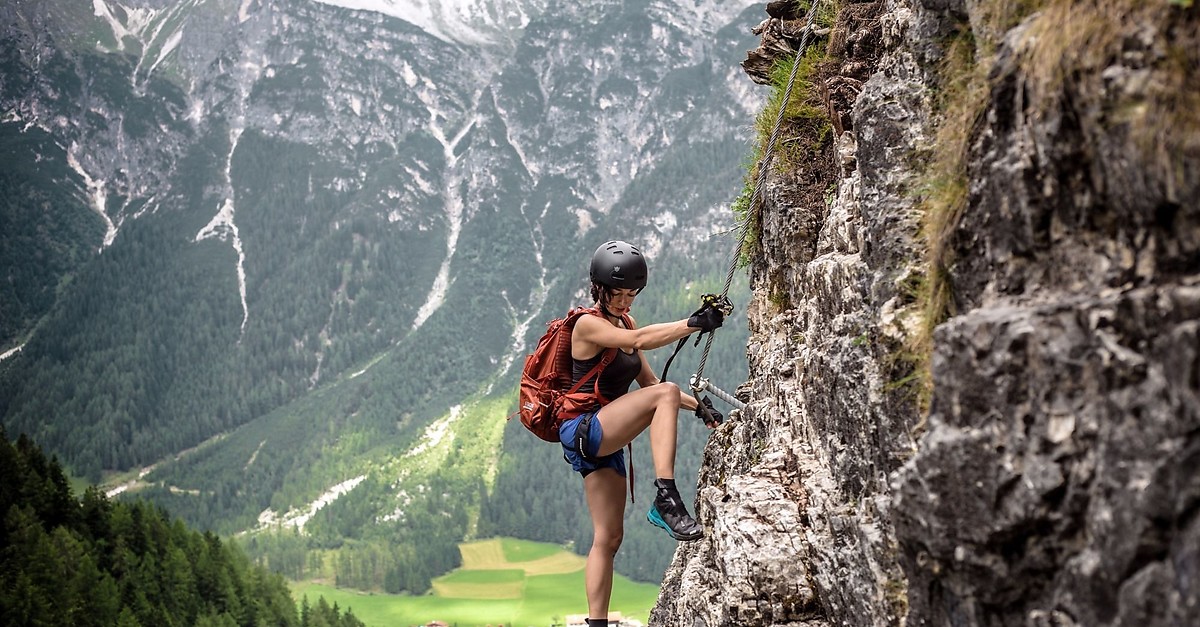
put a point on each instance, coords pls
(502, 581)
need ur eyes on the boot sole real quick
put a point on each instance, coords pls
(657, 521)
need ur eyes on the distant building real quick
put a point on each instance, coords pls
(614, 618)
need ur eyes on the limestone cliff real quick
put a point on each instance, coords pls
(975, 353)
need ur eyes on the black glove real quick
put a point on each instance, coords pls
(707, 319)
(706, 412)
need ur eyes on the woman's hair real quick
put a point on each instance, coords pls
(600, 291)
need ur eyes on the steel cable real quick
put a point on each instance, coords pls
(760, 181)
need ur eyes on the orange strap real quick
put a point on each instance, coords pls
(631, 472)
(609, 355)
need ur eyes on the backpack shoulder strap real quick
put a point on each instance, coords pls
(609, 353)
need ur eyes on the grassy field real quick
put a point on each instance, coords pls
(502, 582)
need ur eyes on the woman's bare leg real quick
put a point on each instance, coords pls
(656, 407)
(605, 491)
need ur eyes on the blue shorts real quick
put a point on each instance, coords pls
(589, 464)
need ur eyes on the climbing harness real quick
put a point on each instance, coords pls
(698, 382)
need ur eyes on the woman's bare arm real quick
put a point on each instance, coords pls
(591, 332)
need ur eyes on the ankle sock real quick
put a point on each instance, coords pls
(597, 622)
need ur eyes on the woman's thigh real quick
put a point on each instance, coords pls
(626, 417)
(605, 492)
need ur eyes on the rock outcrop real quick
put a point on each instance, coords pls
(1037, 463)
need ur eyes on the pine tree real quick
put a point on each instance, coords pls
(94, 562)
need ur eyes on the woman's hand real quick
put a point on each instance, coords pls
(707, 319)
(706, 412)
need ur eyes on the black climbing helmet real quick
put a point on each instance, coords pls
(619, 265)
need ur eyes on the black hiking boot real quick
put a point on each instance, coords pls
(669, 513)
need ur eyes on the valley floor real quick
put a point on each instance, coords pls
(503, 581)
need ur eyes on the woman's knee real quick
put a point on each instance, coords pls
(667, 393)
(608, 541)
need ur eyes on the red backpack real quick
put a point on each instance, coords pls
(547, 397)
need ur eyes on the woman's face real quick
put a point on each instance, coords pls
(621, 300)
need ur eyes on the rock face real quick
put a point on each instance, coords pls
(1058, 480)
(1053, 477)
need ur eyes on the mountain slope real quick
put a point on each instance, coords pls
(326, 236)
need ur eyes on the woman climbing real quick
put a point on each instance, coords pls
(593, 441)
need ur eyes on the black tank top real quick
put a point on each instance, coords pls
(615, 379)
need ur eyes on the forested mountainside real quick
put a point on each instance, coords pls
(91, 561)
(975, 327)
(274, 265)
